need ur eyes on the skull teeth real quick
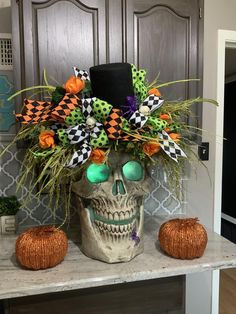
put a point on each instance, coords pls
(114, 229)
(117, 215)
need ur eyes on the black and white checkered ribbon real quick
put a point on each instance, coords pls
(153, 102)
(87, 107)
(57, 126)
(170, 147)
(82, 74)
(139, 119)
(96, 130)
(78, 133)
(80, 156)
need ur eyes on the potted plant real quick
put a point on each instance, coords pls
(9, 206)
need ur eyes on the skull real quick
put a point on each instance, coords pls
(112, 214)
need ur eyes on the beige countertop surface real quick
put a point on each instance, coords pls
(78, 271)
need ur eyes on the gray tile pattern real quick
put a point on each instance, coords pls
(160, 200)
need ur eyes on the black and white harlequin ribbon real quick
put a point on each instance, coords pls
(57, 126)
(81, 132)
(87, 106)
(82, 74)
(151, 103)
(77, 134)
(80, 156)
(170, 147)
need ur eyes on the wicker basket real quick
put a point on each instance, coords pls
(183, 238)
(41, 247)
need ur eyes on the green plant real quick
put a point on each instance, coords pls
(9, 205)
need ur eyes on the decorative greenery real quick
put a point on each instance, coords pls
(9, 205)
(47, 161)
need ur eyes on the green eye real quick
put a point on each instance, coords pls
(133, 171)
(98, 173)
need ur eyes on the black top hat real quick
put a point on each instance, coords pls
(112, 82)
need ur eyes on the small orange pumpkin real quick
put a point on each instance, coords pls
(154, 91)
(74, 85)
(98, 156)
(41, 247)
(151, 147)
(183, 238)
(175, 137)
(46, 139)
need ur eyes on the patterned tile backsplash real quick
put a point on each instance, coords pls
(160, 200)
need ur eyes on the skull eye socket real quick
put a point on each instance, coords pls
(133, 171)
(98, 173)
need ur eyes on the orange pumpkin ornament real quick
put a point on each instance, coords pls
(98, 156)
(41, 247)
(46, 139)
(183, 238)
(74, 85)
(175, 137)
(165, 116)
(154, 91)
(151, 147)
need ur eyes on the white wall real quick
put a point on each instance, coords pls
(218, 14)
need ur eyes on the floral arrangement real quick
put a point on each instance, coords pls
(71, 128)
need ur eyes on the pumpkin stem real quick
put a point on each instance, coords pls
(189, 222)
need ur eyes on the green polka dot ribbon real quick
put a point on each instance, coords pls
(174, 127)
(101, 141)
(63, 137)
(42, 153)
(75, 117)
(125, 125)
(139, 84)
(86, 128)
(157, 123)
(101, 109)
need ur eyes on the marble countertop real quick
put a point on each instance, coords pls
(78, 271)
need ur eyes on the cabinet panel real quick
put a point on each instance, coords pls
(65, 35)
(59, 34)
(163, 37)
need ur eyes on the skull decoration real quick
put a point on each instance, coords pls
(112, 217)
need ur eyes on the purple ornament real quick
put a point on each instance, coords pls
(134, 236)
(129, 107)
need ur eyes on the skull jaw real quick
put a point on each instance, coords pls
(114, 250)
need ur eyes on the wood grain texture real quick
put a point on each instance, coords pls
(60, 34)
(228, 291)
(163, 37)
(156, 296)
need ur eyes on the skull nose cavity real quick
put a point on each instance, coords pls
(118, 188)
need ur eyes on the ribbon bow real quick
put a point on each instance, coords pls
(139, 117)
(169, 146)
(41, 111)
(87, 128)
(82, 74)
(140, 88)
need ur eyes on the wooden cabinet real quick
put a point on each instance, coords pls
(161, 36)
(163, 296)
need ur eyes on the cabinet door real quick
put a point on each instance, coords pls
(163, 37)
(57, 35)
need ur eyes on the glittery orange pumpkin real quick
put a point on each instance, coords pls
(41, 247)
(183, 238)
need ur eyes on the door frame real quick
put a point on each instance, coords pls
(226, 39)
